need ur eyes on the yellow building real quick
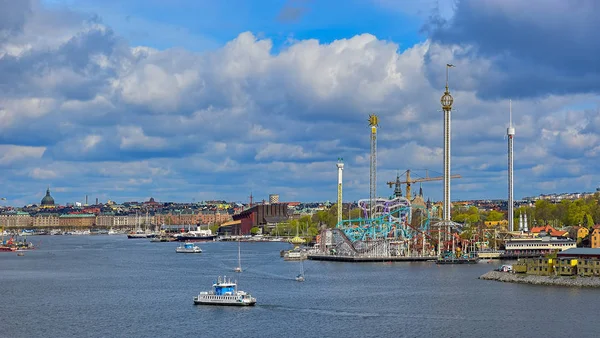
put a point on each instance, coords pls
(46, 220)
(77, 220)
(595, 238)
(578, 232)
(490, 224)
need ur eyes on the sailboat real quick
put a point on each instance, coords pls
(239, 267)
(300, 277)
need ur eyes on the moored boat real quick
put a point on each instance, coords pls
(225, 292)
(196, 235)
(188, 248)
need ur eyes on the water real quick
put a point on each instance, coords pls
(109, 286)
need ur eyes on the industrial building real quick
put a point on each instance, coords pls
(262, 216)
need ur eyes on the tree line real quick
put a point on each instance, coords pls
(581, 212)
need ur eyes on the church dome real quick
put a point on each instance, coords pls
(48, 200)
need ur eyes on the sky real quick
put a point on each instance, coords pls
(193, 100)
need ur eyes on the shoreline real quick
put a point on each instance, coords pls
(572, 281)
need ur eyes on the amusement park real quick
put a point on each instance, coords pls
(398, 228)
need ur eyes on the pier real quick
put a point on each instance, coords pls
(371, 259)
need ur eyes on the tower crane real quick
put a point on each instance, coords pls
(410, 181)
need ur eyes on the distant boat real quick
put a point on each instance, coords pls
(239, 267)
(196, 235)
(188, 248)
(138, 234)
(224, 292)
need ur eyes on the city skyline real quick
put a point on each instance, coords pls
(202, 102)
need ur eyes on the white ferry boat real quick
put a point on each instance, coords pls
(188, 248)
(225, 293)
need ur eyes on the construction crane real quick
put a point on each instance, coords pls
(410, 181)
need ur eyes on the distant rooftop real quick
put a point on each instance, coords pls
(77, 215)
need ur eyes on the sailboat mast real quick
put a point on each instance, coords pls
(239, 255)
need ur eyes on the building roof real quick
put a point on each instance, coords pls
(47, 200)
(231, 223)
(77, 216)
(549, 230)
(580, 251)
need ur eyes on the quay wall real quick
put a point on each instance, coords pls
(370, 259)
(542, 280)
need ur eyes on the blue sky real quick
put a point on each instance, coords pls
(191, 100)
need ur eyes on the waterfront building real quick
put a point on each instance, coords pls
(538, 245)
(16, 219)
(122, 221)
(105, 220)
(77, 220)
(584, 262)
(232, 228)
(46, 220)
(262, 215)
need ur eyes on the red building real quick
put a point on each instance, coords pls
(262, 215)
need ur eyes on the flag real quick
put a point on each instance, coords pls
(450, 65)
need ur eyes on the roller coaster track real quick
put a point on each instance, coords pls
(344, 246)
(387, 220)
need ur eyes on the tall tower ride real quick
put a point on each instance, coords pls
(340, 167)
(446, 101)
(510, 132)
(374, 123)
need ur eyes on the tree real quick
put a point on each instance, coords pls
(544, 211)
(494, 215)
(589, 221)
(324, 217)
(254, 230)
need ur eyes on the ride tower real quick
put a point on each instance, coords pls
(446, 101)
(510, 132)
(340, 167)
(373, 123)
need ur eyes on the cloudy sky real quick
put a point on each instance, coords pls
(188, 100)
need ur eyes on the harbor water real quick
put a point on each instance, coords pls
(111, 286)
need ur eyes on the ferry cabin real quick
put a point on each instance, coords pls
(222, 289)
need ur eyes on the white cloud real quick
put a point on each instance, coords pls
(133, 138)
(42, 174)
(243, 115)
(11, 154)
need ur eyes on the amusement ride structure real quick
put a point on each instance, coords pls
(385, 227)
(510, 132)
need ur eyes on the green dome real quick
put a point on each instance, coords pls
(48, 200)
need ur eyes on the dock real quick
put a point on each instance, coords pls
(370, 259)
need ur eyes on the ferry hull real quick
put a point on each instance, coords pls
(203, 302)
(187, 251)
